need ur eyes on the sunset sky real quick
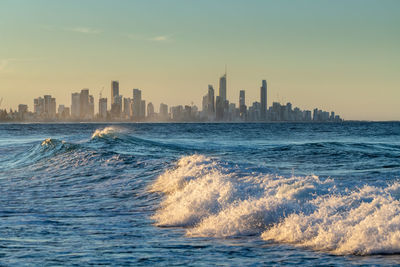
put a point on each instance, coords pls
(335, 55)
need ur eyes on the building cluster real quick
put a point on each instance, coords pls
(214, 108)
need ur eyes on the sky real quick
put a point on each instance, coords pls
(341, 55)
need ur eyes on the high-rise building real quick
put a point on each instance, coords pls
(49, 106)
(219, 108)
(254, 111)
(222, 87)
(22, 111)
(63, 112)
(75, 105)
(38, 106)
(114, 91)
(150, 110)
(137, 101)
(211, 102)
(45, 107)
(242, 104)
(263, 100)
(103, 108)
(163, 111)
(177, 113)
(91, 107)
(142, 109)
(84, 104)
(204, 103)
(127, 107)
(116, 107)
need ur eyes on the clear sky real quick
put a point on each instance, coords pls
(335, 55)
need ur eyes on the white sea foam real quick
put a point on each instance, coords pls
(210, 200)
(108, 131)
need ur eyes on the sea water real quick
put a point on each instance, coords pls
(200, 194)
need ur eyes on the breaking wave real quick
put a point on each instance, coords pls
(108, 132)
(212, 199)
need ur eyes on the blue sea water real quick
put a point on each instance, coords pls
(200, 194)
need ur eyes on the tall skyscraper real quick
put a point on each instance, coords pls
(242, 104)
(142, 109)
(38, 106)
(49, 106)
(103, 108)
(137, 102)
(114, 91)
(163, 111)
(127, 107)
(90, 113)
(263, 100)
(150, 110)
(116, 107)
(219, 108)
(211, 102)
(222, 88)
(84, 104)
(242, 98)
(75, 105)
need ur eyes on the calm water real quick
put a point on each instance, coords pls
(200, 194)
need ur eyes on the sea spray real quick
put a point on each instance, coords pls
(109, 131)
(210, 199)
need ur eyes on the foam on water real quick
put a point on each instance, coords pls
(216, 200)
(109, 131)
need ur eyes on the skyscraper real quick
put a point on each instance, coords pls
(127, 107)
(211, 102)
(222, 88)
(219, 108)
(137, 101)
(116, 108)
(103, 108)
(75, 105)
(49, 106)
(242, 104)
(263, 100)
(38, 106)
(114, 91)
(84, 103)
(90, 113)
(142, 109)
(150, 110)
(163, 111)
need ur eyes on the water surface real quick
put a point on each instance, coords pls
(200, 194)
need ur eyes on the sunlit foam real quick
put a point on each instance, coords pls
(106, 132)
(210, 200)
(49, 142)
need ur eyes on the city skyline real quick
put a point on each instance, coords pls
(338, 55)
(214, 108)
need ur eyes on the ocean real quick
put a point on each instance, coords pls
(200, 194)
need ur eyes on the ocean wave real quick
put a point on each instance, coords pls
(216, 200)
(107, 132)
(115, 135)
(46, 149)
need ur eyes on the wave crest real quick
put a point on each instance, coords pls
(108, 132)
(211, 199)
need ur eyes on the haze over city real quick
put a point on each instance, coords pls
(335, 55)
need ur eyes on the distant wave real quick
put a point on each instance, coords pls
(113, 134)
(49, 148)
(46, 149)
(108, 132)
(213, 200)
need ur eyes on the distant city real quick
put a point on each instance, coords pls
(125, 109)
